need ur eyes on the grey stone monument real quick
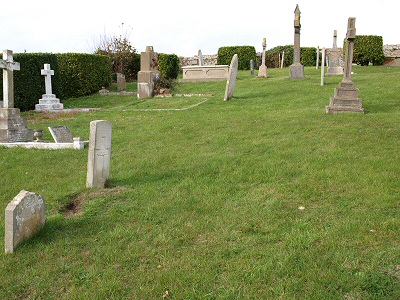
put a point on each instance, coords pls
(296, 69)
(25, 215)
(148, 73)
(13, 128)
(201, 59)
(334, 57)
(231, 82)
(252, 67)
(99, 154)
(49, 101)
(263, 70)
(346, 95)
(121, 82)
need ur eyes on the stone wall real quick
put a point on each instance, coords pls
(209, 60)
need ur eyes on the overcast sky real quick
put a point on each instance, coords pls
(183, 27)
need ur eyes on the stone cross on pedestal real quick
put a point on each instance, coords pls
(263, 71)
(8, 65)
(296, 69)
(346, 95)
(47, 81)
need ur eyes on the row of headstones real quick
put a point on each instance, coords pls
(25, 215)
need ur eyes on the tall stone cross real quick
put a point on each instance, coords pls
(8, 65)
(47, 73)
(350, 37)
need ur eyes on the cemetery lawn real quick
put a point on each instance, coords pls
(264, 196)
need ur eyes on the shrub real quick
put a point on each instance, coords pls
(368, 49)
(245, 54)
(308, 56)
(168, 65)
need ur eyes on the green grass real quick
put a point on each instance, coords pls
(204, 202)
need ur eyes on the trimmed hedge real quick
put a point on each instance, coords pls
(168, 65)
(75, 75)
(308, 56)
(368, 48)
(245, 54)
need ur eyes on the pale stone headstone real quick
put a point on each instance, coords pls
(48, 101)
(201, 59)
(99, 154)
(61, 134)
(148, 73)
(25, 215)
(346, 95)
(263, 70)
(121, 82)
(252, 67)
(231, 82)
(13, 128)
(296, 69)
(334, 57)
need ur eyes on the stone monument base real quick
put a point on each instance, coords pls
(49, 102)
(13, 128)
(296, 71)
(334, 71)
(345, 99)
(262, 72)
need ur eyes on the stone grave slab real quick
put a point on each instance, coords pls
(61, 134)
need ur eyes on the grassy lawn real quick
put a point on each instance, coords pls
(264, 196)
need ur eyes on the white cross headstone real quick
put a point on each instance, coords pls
(47, 73)
(8, 65)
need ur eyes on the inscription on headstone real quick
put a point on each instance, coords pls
(61, 134)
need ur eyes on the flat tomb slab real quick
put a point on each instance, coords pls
(205, 73)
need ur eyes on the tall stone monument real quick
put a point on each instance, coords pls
(296, 69)
(13, 128)
(263, 70)
(49, 101)
(346, 95)
(334, 57)
(148, 73)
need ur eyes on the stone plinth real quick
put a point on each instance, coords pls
(205, 73)
(345, 99)
(13, 128)
(334, 59)
(148, 73)
(49, 102)
(296, 71)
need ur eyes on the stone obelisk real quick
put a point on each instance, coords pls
(296, 69)
(346, 95)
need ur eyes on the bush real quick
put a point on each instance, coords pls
(368, 49)
(308, 56)
(168, 65)
(245, 54)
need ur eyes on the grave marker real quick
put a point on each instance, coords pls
(48, 101)
(25, 215)
(263, 70)
(121, 82)
(148, 73)
(231, 83)
(99, 154)
(201, 59)
(296, 69)
(61, 134)
(333, 57)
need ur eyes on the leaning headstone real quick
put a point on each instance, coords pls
(13, 128)
(148, 73)
(296, 69)
(25, 215)
(121, 82)
(231, 83)
(49, 102)
(99, 154)
(346, 95)
(61, 134)
(263, 70)
(334, 57)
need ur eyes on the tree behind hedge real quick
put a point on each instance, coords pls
(245, 54)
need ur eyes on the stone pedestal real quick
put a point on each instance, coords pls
(296, 71)
(345, 99)
(13, 128)
(262, 71)
(148, 73)
(49, 102)
(334, 59)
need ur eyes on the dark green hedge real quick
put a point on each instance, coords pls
(368, 48)
(245, 54)
(75, 75)
(308, 56)
(168, 65)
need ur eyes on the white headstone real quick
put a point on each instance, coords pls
(49, 102)
(25, 215)
(99, 153)
(231, 83)
(8, 65)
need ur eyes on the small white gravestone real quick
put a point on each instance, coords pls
(25, 215)
(231, 83)
(99, 153)
(49, 101)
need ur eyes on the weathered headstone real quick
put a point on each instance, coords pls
(49, 101)
(13, 128)
(231, 82)
(296, 69)
(346, 95)
(61, 134)
(201, 59)
(252, 67)
(334, 57)
(148, 73)
(263, 70)
(99, 154)
(121, 82)
(25, 215)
